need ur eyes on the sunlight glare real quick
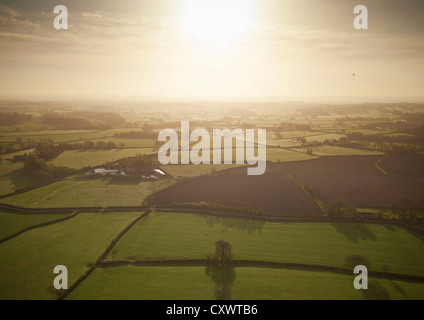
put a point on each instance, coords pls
(217, 20)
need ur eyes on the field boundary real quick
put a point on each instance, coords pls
(42, 225)
(185, 209)
(317, 200)
(261, 264)
(380, 168)
(103, 255)
(30, 188)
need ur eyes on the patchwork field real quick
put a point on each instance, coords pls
(83, 158)
(191, 283)
(357, 181)
(83, 192)
(273, 193)
(169, 236)
(325, 150)
(12, 176)
(27, 262)
(13, 223)
(404, 165)
(354, 179)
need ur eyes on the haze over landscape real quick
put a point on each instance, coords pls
(211, 149)
(212, 50)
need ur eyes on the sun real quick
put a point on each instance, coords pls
(217, 20)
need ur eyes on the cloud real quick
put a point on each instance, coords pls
(8, 11)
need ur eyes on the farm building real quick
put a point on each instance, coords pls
(159, 171)
(105, 172)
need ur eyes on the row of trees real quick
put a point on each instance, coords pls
(48, 150)
(339, 208)
(12, 118)
(140, 163)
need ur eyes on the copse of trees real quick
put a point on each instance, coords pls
(83, 120)
(48, 150)
(406, 209)
(67, 123)
(12, 118)
(338, 208)
(38, 169)
(138, 163)
(136, 134)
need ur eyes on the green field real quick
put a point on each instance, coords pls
(284, 155)
(129, 143)
(321, 138)
(185, 236)
(284, 143)
(12, 176)
(11, 223)
(84, 192)
(71, 136)
(191, 283)
(27, 262)
(83, 158)
(323, 151)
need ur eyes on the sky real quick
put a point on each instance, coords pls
(212, 49)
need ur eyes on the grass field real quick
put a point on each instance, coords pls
(284, 143)
(83, 158)
(12, 176)
(11, 223)
(191, 283)
(284, 155)
(71, 136)
(339, 151)
(83, 192)
(129, 143)
(27, 262)
(184, 236)
(323, 137)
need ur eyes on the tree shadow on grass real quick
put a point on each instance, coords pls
(223, 277)
(390, 227)
(249, 226)
(19, 179)
(375, 292)
(355, 231)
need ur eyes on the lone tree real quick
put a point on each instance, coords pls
(223, 254)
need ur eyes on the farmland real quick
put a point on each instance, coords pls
(191, 283)
(355, 180)
(83, 158)
(323, 151)
(168, 236)
(286, 242)
(13, 223)
(272, 193)
(26, 262)
(12, 177)
(404, 165)
(82, 192)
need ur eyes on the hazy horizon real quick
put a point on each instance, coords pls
(235, 50)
